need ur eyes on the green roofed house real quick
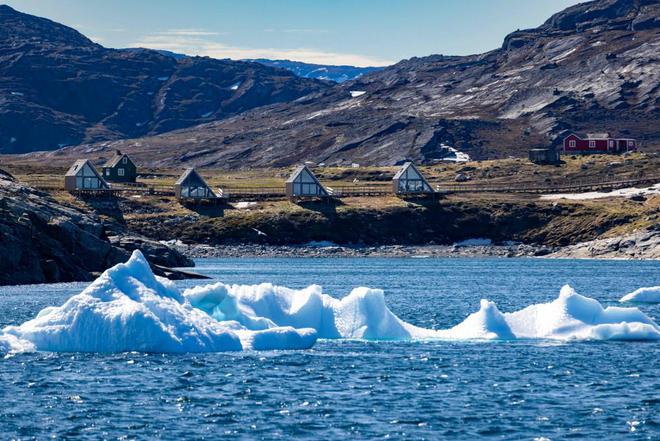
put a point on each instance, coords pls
(409, 180)
(303, 183)
(191, 186)
(120, 168)
(83, 176)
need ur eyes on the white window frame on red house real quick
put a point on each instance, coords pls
(592, 144)
(572, 143)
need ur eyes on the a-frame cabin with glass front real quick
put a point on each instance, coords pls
(191, 186)
(302, 183)
(409, 180)
(83, 176)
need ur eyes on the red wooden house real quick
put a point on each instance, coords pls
(598, 143)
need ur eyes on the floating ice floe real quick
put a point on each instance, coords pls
(364, 314)
(650, 294)
(129, 309)
(575, 317)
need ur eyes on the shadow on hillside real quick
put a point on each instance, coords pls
(323, 206)
(207, 210)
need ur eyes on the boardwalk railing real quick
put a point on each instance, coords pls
(341, 191)
(573, 186)
(359, 190)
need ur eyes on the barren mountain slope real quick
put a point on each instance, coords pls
(59, 88)
(591, 67)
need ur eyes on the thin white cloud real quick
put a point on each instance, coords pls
(298, 31)
(193, 44)
(190, 33)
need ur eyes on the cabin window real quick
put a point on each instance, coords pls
(120, 172)
(107, 172)
(631, 143)
(571, 143)
(124, 160)
(611, 143)
(592, 144)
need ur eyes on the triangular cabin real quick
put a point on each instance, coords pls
(303, 183)
(83, 176)
(120, 168)
(409, 180)
(192, 186)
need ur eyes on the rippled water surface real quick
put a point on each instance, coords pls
(356, 389)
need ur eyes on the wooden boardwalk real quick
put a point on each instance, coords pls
(573, 186)
(375, 190)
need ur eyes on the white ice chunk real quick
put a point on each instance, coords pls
(129, 309)
(650, 294)
(364, 314)
(361, 314)
(486, 324)
(575, 317)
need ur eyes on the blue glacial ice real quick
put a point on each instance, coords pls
(129, 309)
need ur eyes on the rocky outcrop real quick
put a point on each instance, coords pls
(155, 252)
(58, 88)
(591, 68)
(640, 245)
(44, 241)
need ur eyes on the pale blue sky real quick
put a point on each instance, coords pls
(358, 32)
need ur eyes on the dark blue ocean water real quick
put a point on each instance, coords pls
(353, 389)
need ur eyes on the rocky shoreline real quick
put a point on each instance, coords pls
(411, 251)
(640, 246)
(643, 245)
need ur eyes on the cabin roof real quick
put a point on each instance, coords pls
(602, 135)
(299, 170)
(112, 162)
(186, 174)
(77, 166)
(405, 167)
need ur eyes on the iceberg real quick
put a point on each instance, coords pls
(649, 294)
(575, 317)
(364, 314)
(129, 309)
(486, 324)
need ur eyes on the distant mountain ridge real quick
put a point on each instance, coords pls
(334, 73)
(593, 67)
(59, 88)
(337, 74)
